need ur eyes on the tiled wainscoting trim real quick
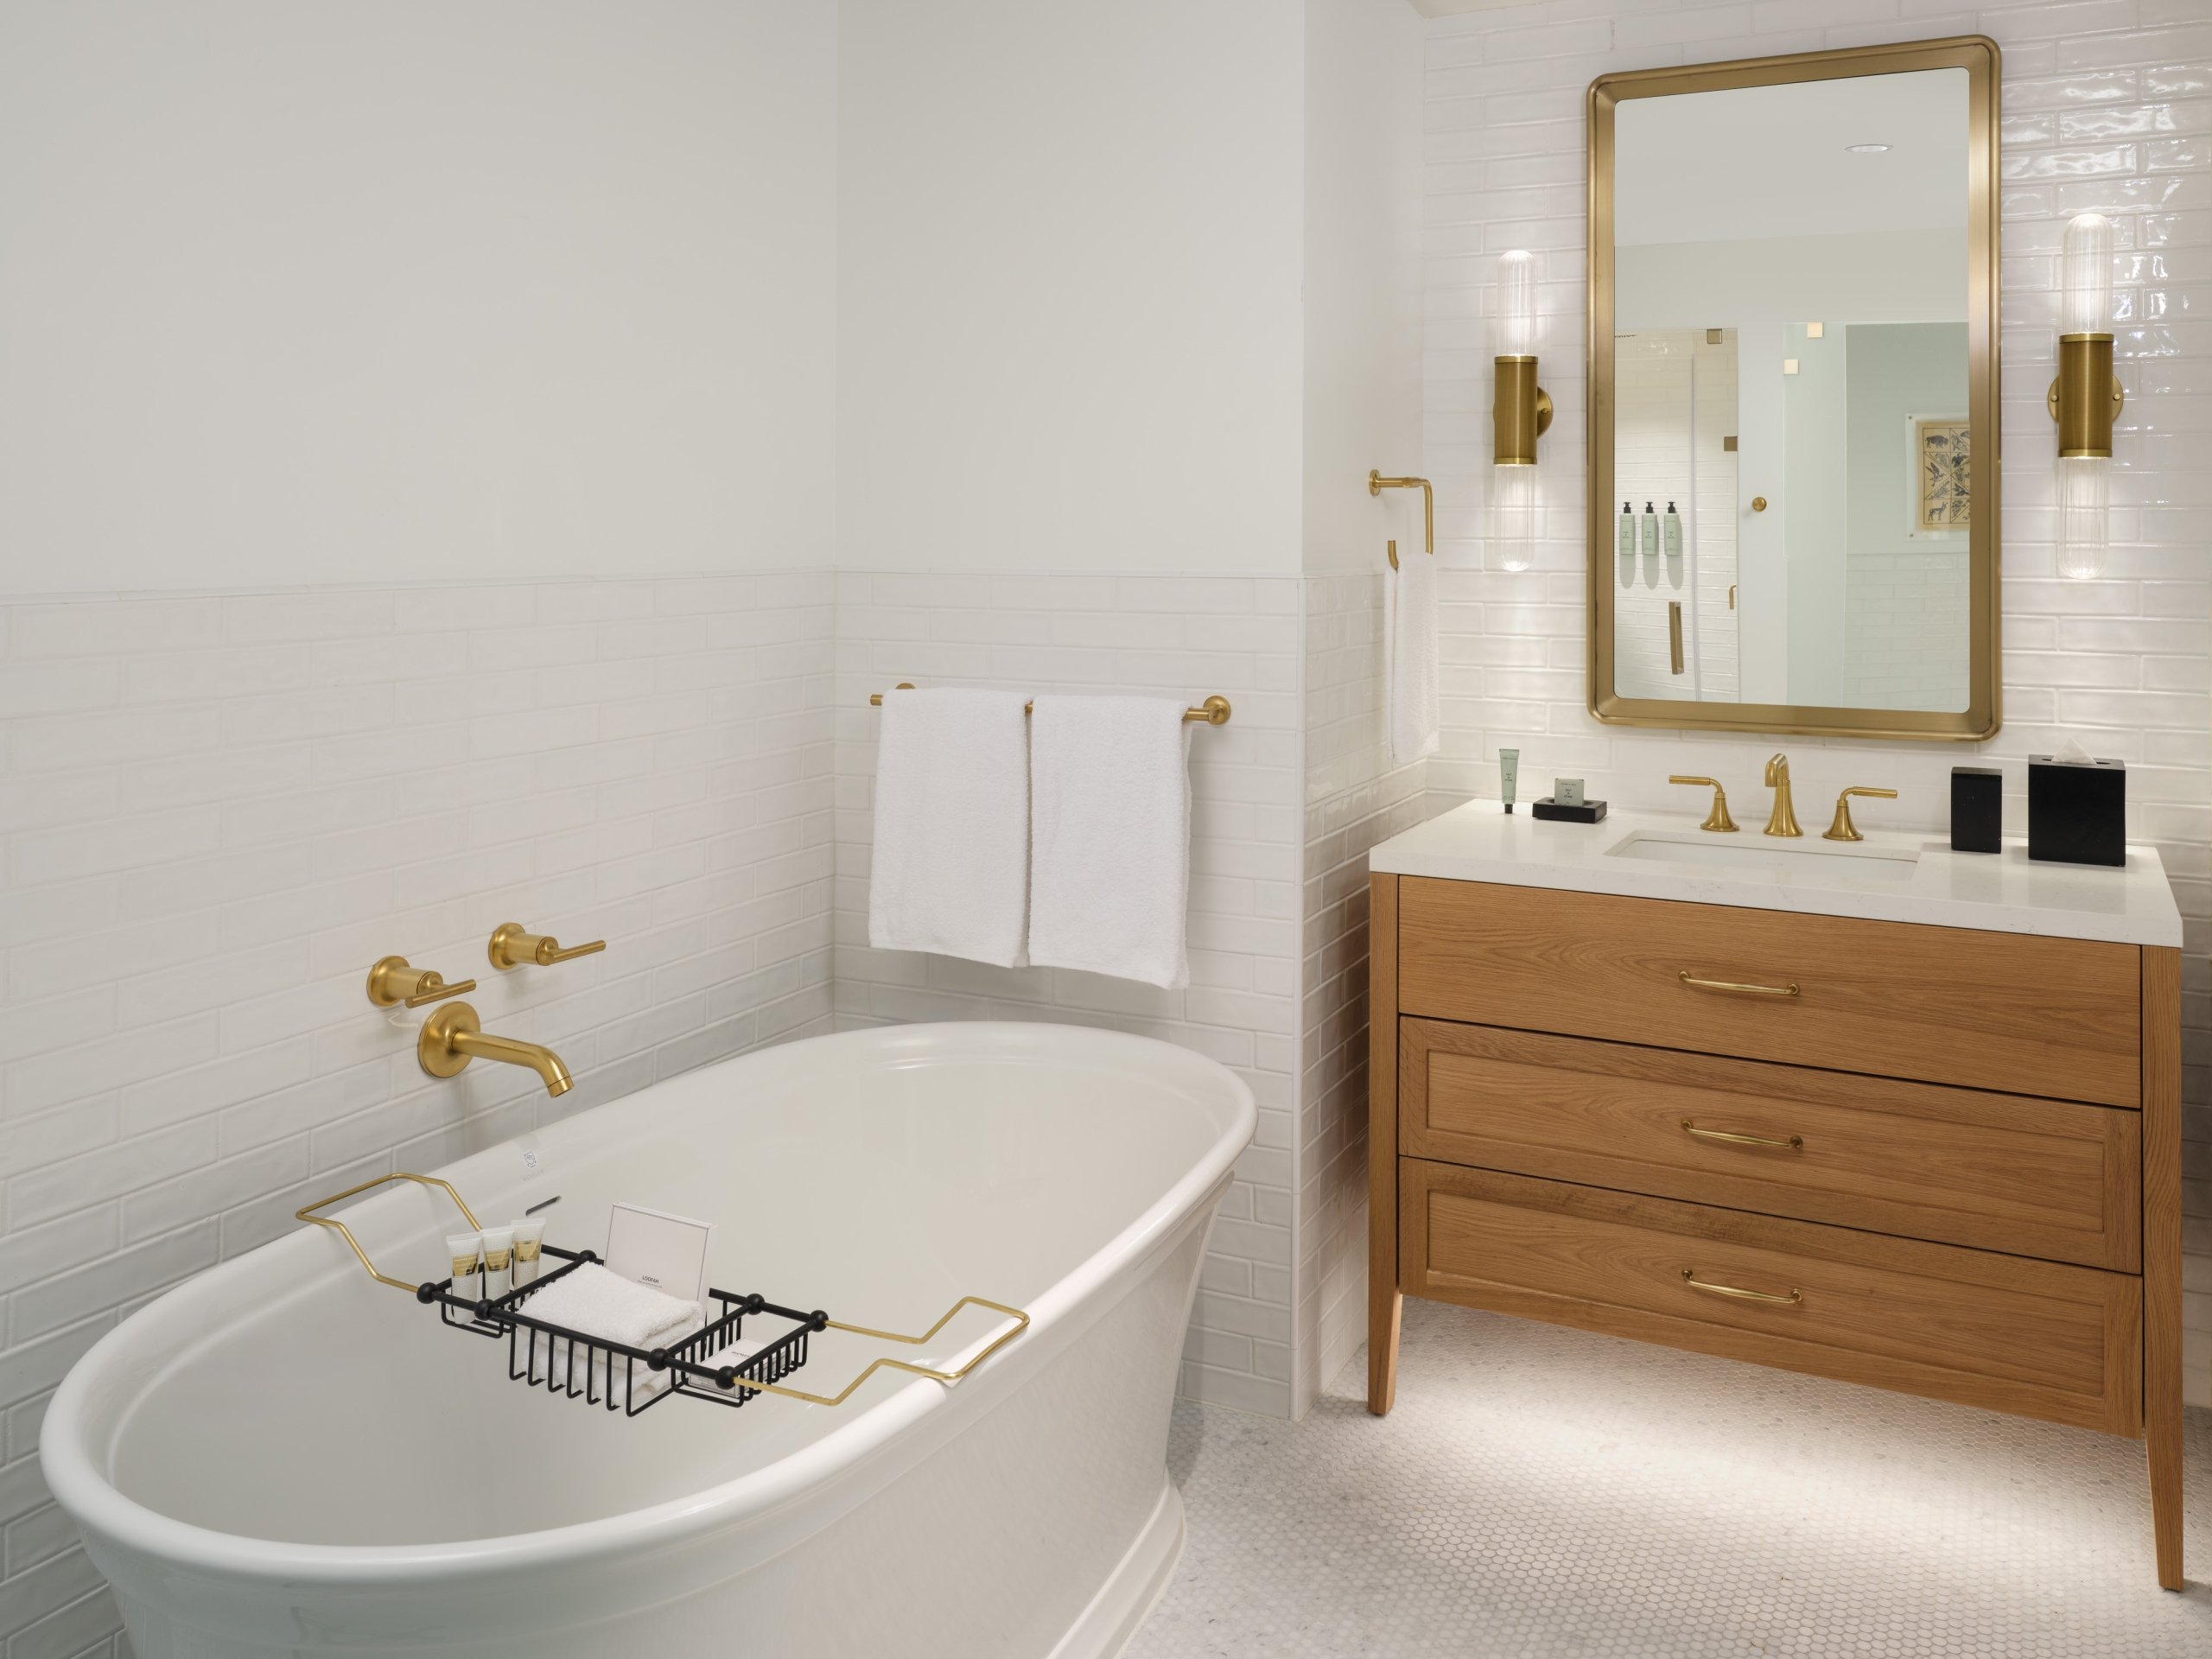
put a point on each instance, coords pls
(218, 811)
(1184, 638)
(1354, 798)
(2106, 107)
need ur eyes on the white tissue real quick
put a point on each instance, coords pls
(2070, 754)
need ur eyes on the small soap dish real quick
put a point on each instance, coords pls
(1560, 812)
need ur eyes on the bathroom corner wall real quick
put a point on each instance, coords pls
(2105, 108)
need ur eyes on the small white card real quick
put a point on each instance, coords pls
(653, 1247)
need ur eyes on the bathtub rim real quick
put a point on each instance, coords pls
(78, 1481)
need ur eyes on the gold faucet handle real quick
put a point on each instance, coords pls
(1843, 828)
(512, 947)
(392, 981)
(1717, 819)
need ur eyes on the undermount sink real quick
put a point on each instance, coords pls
(1818, 861)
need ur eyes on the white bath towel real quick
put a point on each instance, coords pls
(950, 870)
(1110, 869)
(598, 1303)
(1410, 654)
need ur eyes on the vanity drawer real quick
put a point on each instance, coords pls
(1998, 1011)
(2038, 1338)
(2042, 1178)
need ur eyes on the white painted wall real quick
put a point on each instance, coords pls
(1070, 331)
(404, 291)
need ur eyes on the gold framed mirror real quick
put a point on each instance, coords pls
(1793, 402)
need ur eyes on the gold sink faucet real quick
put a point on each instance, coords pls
(1783, 821)
(453, 1036)
(1717, 819)
(1843, 828)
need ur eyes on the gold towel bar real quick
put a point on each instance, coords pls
(1214, 711)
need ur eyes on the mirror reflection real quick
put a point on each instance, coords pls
(1792, 460)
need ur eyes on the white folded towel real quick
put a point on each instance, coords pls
(1110, 869)
(1409, 655)
(951, 870)
(595, 1302)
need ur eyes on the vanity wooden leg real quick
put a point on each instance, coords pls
(2162, 1251)
(1382, 1299)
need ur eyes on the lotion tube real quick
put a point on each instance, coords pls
(468, 1252)
(530, 1239)
(1508, 775)
(498, 1258)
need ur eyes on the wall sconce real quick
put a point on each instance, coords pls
(1520, 411)
(2085, 397)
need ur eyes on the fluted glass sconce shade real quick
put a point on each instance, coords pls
(2085, 397)
(1513, 305)
(1513, 517)
(2086, 276)
(2084, 498)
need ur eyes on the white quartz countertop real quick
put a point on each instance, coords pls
(1889, 877)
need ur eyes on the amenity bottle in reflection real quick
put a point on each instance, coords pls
(1670, 533)
(1647, 531)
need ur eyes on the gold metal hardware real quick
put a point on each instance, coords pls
(886, 1363)
(1712, 336)
(1611, 702)
(2083, 414)
(1758, 504)
(453, 1036)
(1735, 988)
(1690, 1278)
(1731, 595)
(392, 981)
(1794, 1143)
(1520, 412)
(1391, 552)
(1717, 820)
(1674, 634)
(1843, 828)
(1783, 821)
(1728, 443)
(307, 1213)
(1214, 711)
(1377, 484)
(511, 947)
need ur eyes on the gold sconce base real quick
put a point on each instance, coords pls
(1520, 412)
(2076, 400)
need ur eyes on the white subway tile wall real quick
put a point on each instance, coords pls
(1354, 798)
(1178, 637)
(2106, 107)
(218, 811)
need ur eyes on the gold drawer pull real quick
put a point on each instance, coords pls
(1730, 985)
(1794, 1143)
(1690, 1278)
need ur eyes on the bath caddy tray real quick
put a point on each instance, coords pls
(708, 1364)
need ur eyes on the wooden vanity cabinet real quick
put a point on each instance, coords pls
(1936, 1160)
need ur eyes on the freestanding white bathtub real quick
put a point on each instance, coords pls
(284, 1457)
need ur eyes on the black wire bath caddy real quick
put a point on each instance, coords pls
(704, 1365)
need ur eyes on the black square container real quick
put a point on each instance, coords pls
(1977, 809)
(2077, 813)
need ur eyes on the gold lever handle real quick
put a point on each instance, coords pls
(1843, 828)
(1717, 819)
(1690, 1278)
(512, 947)
(1377, 484)
(1735, 988)
(1794, 1143)
(392, 981)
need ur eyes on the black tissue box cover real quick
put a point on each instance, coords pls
(1588, 812)
(2077, 814)
(1977, 809)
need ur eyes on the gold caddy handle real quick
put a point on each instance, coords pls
(1794, 1143)
(392, 981)
(1690, 1278)
(307, 1213)
(512, 947)
(1733, 988)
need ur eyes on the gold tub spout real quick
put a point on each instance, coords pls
(453, 1036)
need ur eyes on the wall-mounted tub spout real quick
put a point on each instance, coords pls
(453, 1036)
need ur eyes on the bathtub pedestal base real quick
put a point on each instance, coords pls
(1124, 1600)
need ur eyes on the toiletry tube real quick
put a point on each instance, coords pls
(498, 1258)
(468, 1252)
(530, 1239)
(1509, 774)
